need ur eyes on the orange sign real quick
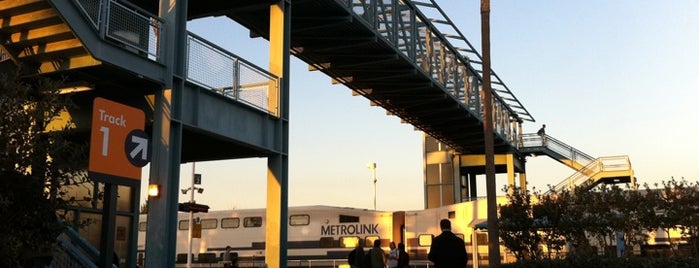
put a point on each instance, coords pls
(117, 140)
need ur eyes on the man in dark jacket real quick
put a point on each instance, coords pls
(447, 250)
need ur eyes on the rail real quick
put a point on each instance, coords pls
(208, 65)
(74, 251)
(589, 175)
(220, 71)
(531, 140)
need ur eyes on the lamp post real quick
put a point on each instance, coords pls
(196, 179)
(372, 167)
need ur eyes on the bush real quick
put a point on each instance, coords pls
(602, 262)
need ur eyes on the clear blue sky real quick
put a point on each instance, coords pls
(607, 77)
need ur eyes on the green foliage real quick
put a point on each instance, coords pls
(579, 217)
(34, 164)
(517, 230)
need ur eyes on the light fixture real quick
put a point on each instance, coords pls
(184, 191)
(153, 190)
(200, 190)
(74, 89)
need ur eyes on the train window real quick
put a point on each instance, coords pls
(142, 226)
(296, 220)
(451, 214)
(184, 225)
(346, 218)
(230, 223)
(209, 223)
(326, 242)
(349, 241)
(369, 240)
(424, 240)
(252, 222)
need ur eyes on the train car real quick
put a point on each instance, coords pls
(318, 235)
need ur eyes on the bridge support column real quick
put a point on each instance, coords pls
(523, 182)
(278, 162)
(167, 139)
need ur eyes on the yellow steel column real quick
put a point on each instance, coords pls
(523, 182)
(510, 172)
(278, 163)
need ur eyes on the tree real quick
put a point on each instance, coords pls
(34, 163)
(516, 225)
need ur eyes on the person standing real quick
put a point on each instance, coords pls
(392, 258)
(377, 256)
(403, 257)
(542, 134)
(356, 257)
(448, 250)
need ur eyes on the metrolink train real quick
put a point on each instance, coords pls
(324, 235)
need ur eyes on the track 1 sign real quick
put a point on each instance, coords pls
(118, 145)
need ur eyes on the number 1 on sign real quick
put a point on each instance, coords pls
(105, 140)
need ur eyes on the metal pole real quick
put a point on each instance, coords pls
(191, 220)
(372, 166)
(493, 232)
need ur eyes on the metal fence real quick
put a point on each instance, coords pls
(208, 65)
(223, 72)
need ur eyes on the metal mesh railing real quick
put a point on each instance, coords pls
(91, 9)
(127, 24)
(223, 72)
(132, 28)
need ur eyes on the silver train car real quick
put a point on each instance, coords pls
(323, 236)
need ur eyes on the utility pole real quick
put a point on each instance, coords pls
(493, 232)
(372, 167)
(191, 220)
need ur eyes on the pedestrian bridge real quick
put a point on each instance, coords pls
(406, 56)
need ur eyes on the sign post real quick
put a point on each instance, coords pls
(119, 147)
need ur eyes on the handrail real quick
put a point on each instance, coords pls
(223, 72)
(569, 152)
(591, 171)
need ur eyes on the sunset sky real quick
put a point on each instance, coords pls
(606, 77)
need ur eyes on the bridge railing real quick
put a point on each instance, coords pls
(402, 24)
(214, 68)
(208, 65)
(558, 147)
(602, 164)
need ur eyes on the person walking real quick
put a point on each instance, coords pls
(356, 257)
(377, 256)
(403, 257)
(448, 250)
(392, 257)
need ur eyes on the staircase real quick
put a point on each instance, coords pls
(37, 37)
(590, 171)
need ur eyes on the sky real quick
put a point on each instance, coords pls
(606, 77)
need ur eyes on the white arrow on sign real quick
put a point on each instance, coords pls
(141, 147)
